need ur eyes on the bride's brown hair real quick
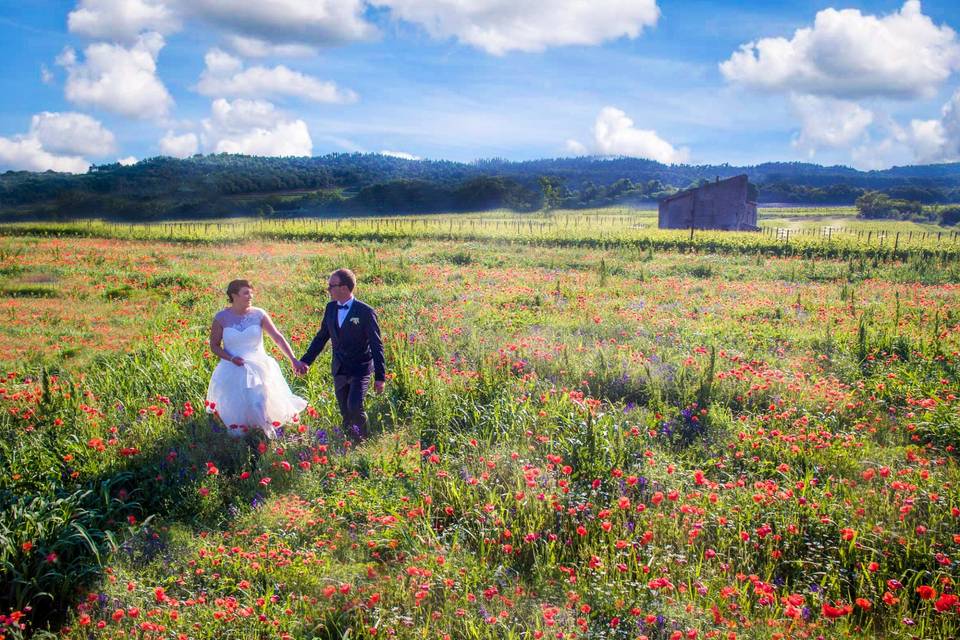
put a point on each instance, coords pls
(234, 288)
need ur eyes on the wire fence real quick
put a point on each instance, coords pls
(605, 231)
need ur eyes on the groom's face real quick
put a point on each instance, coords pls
(338, 291)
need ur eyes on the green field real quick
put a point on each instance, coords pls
(591, 428)
(833, 232)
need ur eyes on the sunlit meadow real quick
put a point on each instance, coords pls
(590, 429)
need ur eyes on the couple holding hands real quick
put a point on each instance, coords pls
(247, 389)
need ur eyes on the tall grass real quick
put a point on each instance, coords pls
(576, 441)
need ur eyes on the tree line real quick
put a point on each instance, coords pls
(354, 184)
(875, 205)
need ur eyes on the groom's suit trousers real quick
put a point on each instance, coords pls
(350, 392)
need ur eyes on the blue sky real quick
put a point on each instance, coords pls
(867, 84)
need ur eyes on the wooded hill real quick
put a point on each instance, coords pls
(356, 184)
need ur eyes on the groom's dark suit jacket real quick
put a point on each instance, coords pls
(357, 347)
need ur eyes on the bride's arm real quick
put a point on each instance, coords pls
(274, 333)
(216, 338)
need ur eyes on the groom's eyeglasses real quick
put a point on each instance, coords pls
(333, 286)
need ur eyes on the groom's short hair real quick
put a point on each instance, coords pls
(345, 276)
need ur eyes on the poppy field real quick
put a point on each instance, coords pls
(665, 439)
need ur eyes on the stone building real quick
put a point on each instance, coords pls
(723, 204)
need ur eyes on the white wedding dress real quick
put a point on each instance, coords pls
(255, 395)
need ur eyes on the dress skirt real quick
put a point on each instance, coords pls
(254, 396)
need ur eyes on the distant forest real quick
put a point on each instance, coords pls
(373, 184)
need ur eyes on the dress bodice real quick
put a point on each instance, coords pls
(242, 333)
(240, 321)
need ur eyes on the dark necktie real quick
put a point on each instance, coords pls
(343, 306)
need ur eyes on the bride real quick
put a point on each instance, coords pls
(247, 389)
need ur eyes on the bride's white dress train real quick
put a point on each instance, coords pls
(256, 395)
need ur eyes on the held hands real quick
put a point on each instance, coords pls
(299, 368)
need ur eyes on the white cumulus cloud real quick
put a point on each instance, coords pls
(927, 139)
(848, 54)
(121, 20)
(254, 127)
(118, 79)
(500, 26)
(576, 147)
(400, 154)
(225, 76)
(257, 48)
(27, 154)
(878, 154)
(829, 122)
(129, 161)
(614, 134)
(219, 63)
(182, 146)
(936, 140)
(278, 22)
(56, 142)
(71, 134)
(923, 141)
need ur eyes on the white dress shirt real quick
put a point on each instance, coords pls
(342, 313)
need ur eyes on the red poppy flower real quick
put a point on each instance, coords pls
(946, 602)
(831, 611)
(926, 592)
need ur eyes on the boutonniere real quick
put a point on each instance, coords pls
(355, 320)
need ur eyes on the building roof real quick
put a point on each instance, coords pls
(718, 183)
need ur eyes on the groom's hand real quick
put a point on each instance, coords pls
(378, 386)
(300, 368)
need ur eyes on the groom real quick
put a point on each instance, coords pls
(352, 329)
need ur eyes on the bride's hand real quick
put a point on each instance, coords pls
(237, 360)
